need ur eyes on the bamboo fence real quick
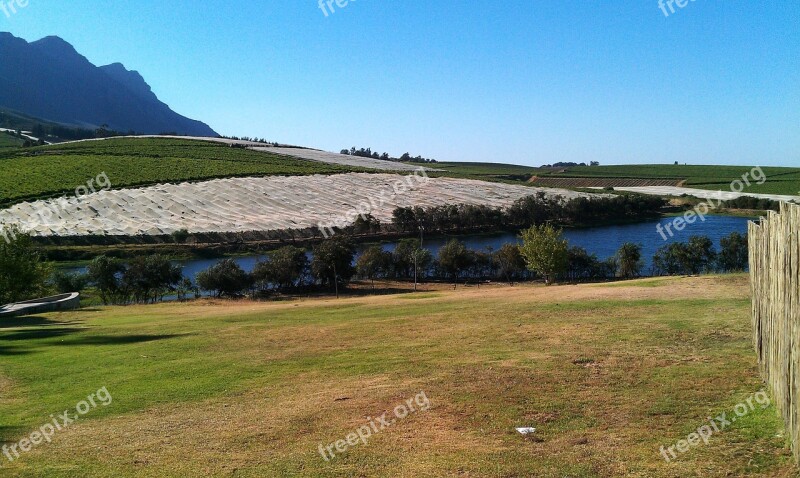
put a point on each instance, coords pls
(775, 284)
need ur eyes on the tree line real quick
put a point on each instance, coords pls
(368, 153)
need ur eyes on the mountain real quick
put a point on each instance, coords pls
(49, 79)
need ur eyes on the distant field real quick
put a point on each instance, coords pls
(779, 180)
(7, 141)
(607, 375)
(53, 170)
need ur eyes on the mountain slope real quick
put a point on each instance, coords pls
(50, 79)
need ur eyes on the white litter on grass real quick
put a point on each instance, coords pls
(526, 430)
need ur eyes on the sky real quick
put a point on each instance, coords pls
(517, 81)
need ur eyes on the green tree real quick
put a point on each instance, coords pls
(629, 260)
(23, 275)
(545, 251)
(374, 263)
(333, 261)
(284, 268)
(702, 256)
(734, 254)
(403, 257)
(454, 258)
(148, 279)
(226, 279)
(106, 274)
(510, 263)
(67, 282)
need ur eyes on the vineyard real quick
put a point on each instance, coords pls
(779, 180)
(571, 183)
(49, 171)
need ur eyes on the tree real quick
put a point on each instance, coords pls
(510, 263)
(106, 274)
(226, 279)
(333, 261)
(23, 275)
(67, 282)
(374, 263)
(454, 258)
(285, 268)
(403, 257)
(180, 236)
(734, 254)
(148, 279)
(629, 260)
(545, 251)
(582, 265)
(694, 257)
(702, 256)
(671, 259)
(366, 224)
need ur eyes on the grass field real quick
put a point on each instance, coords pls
(7, 141)
(779, 180)
(607, 375)
(48, 171)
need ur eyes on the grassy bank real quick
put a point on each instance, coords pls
(607, 374)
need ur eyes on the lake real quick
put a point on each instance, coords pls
(602, 241)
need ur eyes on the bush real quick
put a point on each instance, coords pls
(68, 282)
(284, 268)
(734, 254)
(225, 279)
(23, 275)
(106, 274)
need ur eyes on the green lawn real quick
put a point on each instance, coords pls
(48, 171)
(607, 375)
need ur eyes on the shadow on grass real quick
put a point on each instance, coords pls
(29, 321)
(11, 351)
(33, 330)
(117, 339)
(41, 333)
(8, 435)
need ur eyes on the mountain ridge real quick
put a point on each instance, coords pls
(50, 79)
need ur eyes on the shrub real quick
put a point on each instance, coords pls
(225, 279)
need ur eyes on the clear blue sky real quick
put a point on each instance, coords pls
(520, 81)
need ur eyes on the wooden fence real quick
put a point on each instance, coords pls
(775, 283)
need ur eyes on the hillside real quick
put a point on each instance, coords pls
(784, 181)
(49, 79)
(49, 171)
